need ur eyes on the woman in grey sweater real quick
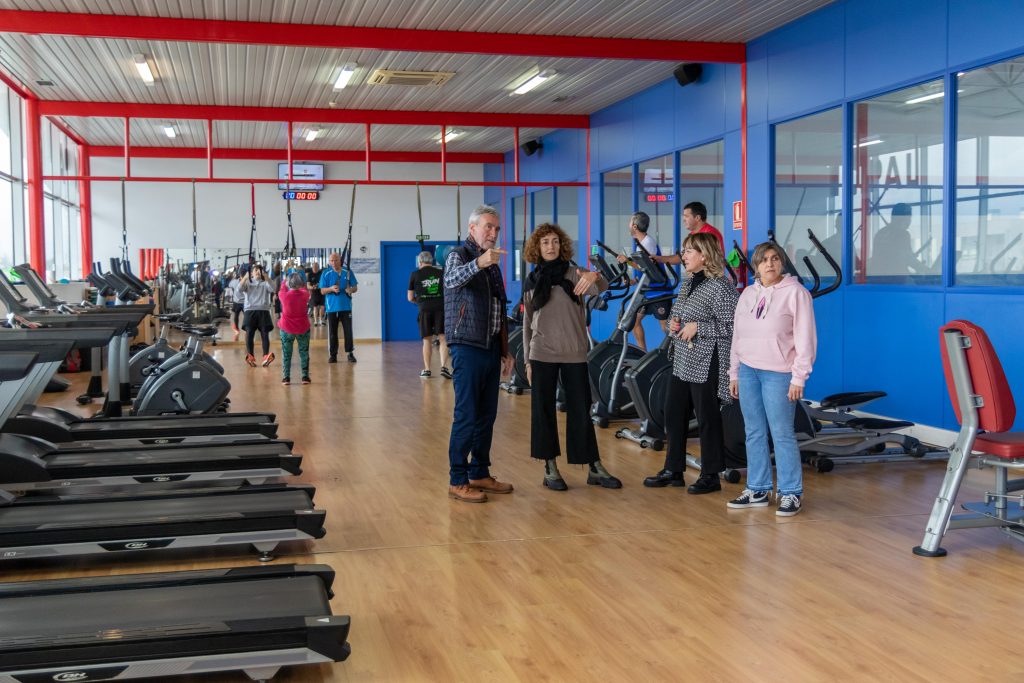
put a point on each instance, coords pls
(555, 344)
(258, 293)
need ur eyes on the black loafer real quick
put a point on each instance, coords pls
(664, 478)
(556, 484)
(705, 484)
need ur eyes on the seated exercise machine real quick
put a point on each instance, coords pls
(985, 409)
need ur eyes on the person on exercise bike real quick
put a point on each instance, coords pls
(639, 223)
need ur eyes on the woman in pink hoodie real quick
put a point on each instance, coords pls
(773, 347)
(294, 325)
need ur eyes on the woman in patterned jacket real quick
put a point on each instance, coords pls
(701, 329)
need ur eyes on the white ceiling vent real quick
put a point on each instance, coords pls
(395, 77)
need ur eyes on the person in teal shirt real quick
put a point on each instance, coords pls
(338, 284)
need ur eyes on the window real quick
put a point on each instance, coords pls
(656, 197)
(702, 179)
(543, 207)
(520, 230)
(809, 190)
(568, 217)
(990, 176)
(897, 186)
(617, 189)
(60, 157)
(12, 190)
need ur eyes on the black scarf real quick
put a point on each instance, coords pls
(694, 281)
(493, 273)
(545, 276)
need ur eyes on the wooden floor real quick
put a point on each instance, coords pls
(600, 585)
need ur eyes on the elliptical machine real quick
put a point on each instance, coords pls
(608, 362)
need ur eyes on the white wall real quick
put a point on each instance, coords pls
(159, 215)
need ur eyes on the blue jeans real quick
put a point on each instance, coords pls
(764, 400)
(475, 374)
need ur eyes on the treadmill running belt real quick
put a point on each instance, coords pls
(151, 613)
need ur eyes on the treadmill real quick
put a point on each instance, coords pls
(56, 425)
(250, 619)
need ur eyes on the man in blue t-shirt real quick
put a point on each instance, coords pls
(338, 284)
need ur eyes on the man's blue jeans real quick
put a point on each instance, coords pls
(475, 374)
(764, 400)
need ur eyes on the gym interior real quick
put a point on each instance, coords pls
(176, 502)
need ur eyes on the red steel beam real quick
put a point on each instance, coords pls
(318, 155)
(369, 38)
(85, 209)
(34, 181)
(209, 148)
(274, 181)
(463, 119)
(369, 163)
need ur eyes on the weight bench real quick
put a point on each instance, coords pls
(985, 410)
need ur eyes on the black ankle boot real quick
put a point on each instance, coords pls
(706, 483)
(664, 478)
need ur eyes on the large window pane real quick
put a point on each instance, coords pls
(568, 218)
(990, 175)
(897, 193)
(656, 197)
(543, 207)
(702, 179)
(519, 232)
(808, 189)
(6, 225)
(617, 188)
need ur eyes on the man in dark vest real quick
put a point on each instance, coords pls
(475, 324)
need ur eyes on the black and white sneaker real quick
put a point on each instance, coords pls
(424, 373)
(750, 499)
(789, 505)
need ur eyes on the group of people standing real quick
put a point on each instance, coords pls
(296, 295)
(757, 347)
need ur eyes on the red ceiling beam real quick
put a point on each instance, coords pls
(408, 40)
(318, 155)
(305, 115)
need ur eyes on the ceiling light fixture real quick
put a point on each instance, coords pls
(311, 134)
(347, 70)
(533, 82)
(146, 71)
(449, 135)
(925, 98)
(170, 132)
(868, 143)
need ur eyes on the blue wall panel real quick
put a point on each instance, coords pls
(757, 81)
(758, 184)
(827, 377)
(973, 35)
(806, 63)
(653, 121)
(890, 43)
(1000, 315)
(700, 107)
(611, 136)
(890, 345)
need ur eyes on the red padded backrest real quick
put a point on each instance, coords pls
(987, 376)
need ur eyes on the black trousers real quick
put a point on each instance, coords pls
(580, 440)
(332, 332)
(700, 398)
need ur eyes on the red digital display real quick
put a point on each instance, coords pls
(301, 194)
(654, 198)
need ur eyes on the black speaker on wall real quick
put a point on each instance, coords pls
(688, 73)
(531, 147)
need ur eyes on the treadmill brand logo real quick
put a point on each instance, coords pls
(131, 546)
(71, 676)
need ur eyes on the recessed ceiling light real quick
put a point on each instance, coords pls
(311, 134)
(146, 71)
(170, 132)
(345, 76)
(533, 82)
(450, 135)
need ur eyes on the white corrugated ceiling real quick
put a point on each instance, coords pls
(95, 69)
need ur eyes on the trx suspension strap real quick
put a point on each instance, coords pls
(346, 253)
(124, 223)
(252, 231)
(195, 232)
(419, 209)
(289, 238)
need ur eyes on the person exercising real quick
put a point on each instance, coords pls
(695, 216)
(891, 250)
(338, 284)
(426, 290)
(639, 222)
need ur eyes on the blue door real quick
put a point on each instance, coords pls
(398, 316)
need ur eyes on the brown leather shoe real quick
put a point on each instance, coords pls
(490, 485)
(466, 494)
